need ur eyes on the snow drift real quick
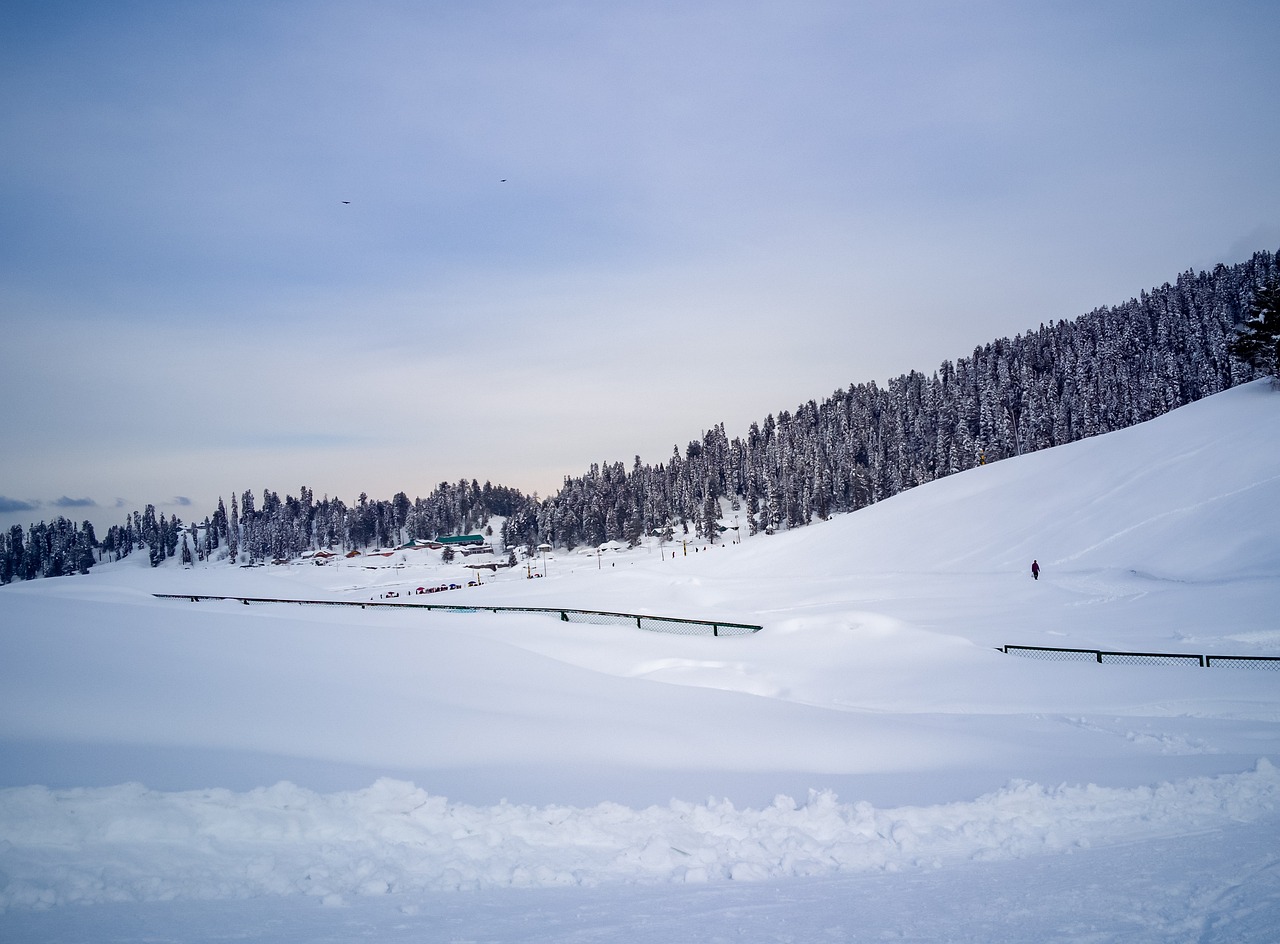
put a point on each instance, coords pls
(127, 843)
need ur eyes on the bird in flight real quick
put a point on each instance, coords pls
(346, 201)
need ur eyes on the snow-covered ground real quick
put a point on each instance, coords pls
(867, 767)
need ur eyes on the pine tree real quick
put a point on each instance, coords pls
(172, 535)
(233, 532)
(1258, 344)
(150, 535)
(219, 525)
(86, 545)
(11, 548)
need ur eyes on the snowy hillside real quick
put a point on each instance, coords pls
(873, 700)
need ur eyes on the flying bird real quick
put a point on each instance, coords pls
(346, 201)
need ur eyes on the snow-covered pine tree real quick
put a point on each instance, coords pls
(233, 532)
(1258, 343)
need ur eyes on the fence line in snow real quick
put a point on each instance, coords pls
(1105, 656)
(660, 624)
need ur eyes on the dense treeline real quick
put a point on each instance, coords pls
(47, 550)
(1106, 370)
(256, 529)
(281, 529)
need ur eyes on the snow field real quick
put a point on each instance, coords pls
(995, 797)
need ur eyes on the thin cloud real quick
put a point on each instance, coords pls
(182, 500)
(65, 502)
(16, 504)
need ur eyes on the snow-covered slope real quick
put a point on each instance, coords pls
(876, 679)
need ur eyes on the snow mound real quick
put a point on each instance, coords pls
(129, 844)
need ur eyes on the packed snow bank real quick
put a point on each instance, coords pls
(1214, 887)
(128, 843)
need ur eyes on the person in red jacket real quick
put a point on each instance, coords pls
(1035, 570)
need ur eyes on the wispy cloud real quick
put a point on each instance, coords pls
(182, 500)
(16, 504)
(65, 502)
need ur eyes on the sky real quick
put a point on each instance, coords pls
(372, 247)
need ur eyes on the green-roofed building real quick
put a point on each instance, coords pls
(462, 539)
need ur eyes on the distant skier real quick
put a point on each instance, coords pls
(1035, 570)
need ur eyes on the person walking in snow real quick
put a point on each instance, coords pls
(1035, 570)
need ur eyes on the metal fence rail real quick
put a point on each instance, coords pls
(659, 624)
(1246, 662)
(1103, 656)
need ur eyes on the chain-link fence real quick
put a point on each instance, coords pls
(1246, 662)
(1053, 655)
(1149, 658)
(1103, 656)
(658, 624)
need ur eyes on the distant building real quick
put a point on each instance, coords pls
(462, 539)
(416, 544)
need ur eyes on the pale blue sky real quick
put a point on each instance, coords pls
(711, 211)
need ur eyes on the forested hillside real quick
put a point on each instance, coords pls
(1103, 371)
(1106, 370)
